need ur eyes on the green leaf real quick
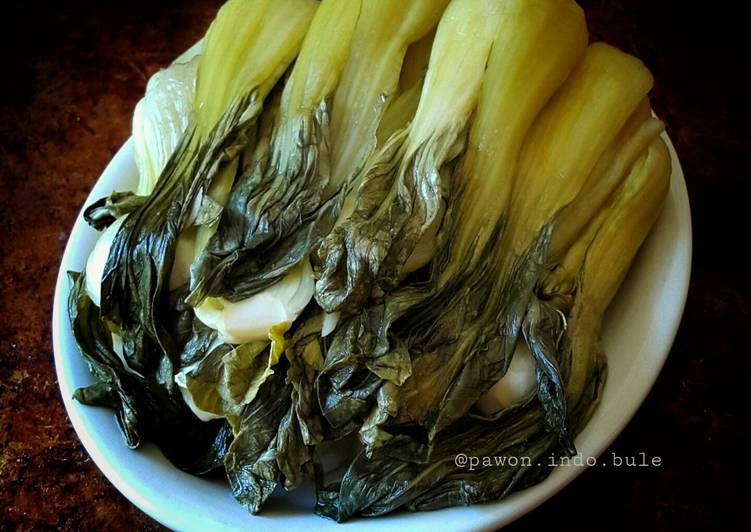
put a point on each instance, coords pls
(543, 328)
(145, 409)
(396, 475)
(360, 357)
(135, 280)
(103, 212)
(250, 462)
(276, 212)
(228, 377)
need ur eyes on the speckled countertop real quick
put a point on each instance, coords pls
(71, 74)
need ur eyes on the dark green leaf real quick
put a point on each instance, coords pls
(135, 280)
(277, 210)
(103, 212)
(386, 481)
(146, 410)
(250, 462)
(401, 196)
(227, 377)
(543, 328)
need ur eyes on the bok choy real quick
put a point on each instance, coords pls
(402, 195)
(397, 223)
(447, 334)
(263, 37)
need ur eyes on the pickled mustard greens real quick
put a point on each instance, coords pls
(135, 302)
(618, 237)
(393, 476)
(560, 153)
(451, 342)
(403, 189)
(277, 207)
(400, 221)
(290, 195)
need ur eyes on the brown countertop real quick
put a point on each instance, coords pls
(72, 73)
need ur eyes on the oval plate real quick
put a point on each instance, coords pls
(638, 333)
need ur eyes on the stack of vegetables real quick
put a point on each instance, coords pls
(397, 221)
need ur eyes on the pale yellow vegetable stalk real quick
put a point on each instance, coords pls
(162, 115)
(612, 167)
(538, 44)
(559, 153)
(160, 119)
(322, 57)
(578, 221)
(631, 214)
(370, 78)
(569, 137)
(627, 223)
(559, 285)
(460, 51)
(247, 48)
(403, 188)
(398, 116)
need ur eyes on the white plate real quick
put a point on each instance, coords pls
(638, 334)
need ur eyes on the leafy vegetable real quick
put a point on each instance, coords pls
(562, 150)
(392, 478)
(143, 250)
(270, 181)
(229, 377)
(394, 475)
(250, 462)
(146, 409)
(290, 196)
(618, 237)
(403, 193)
(611, 168)
(277, 206)
(278, 430)
(160, 119)
(448, 331)
(461, 201)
